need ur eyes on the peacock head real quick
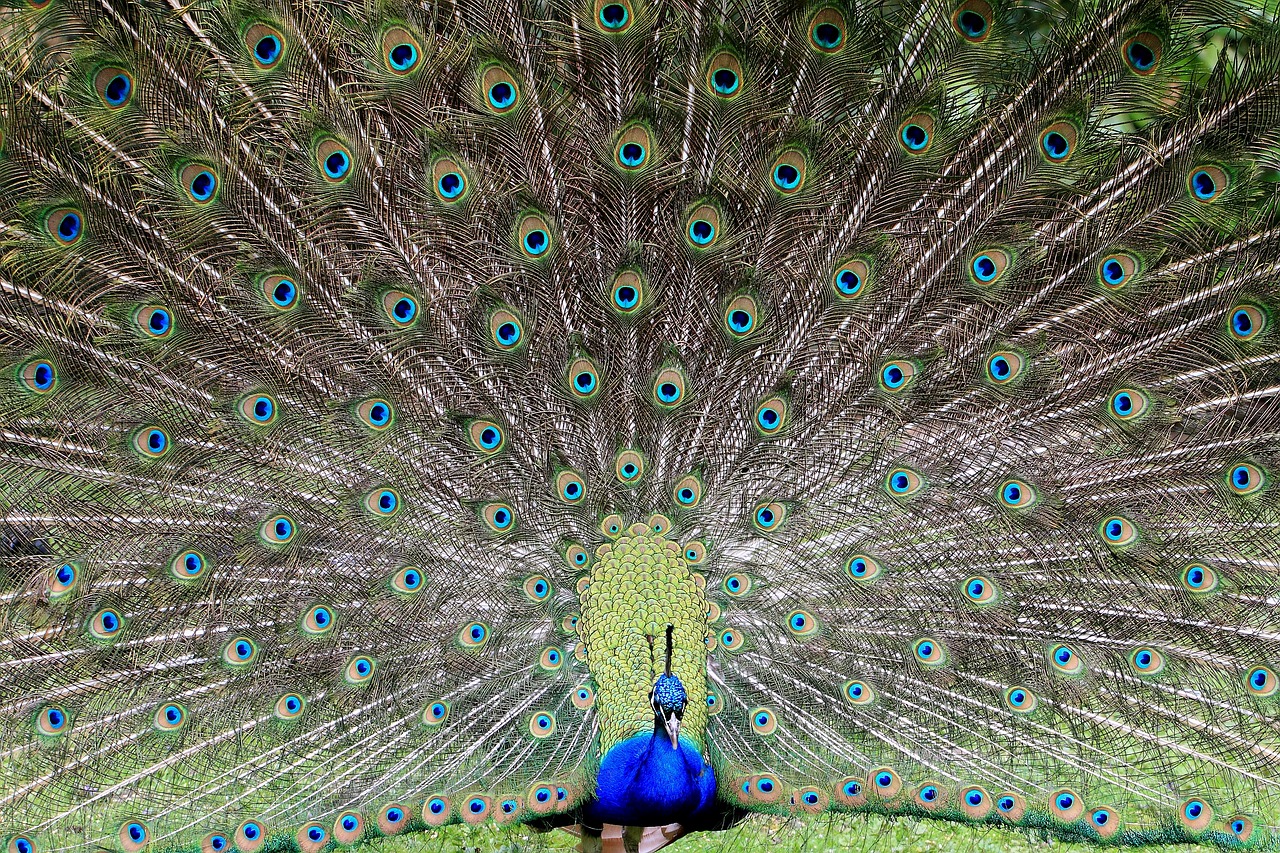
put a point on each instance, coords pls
(668, 699)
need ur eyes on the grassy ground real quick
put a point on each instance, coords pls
(772, 835)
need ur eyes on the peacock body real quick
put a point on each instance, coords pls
(637, 413)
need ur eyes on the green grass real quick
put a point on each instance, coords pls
(773, 835)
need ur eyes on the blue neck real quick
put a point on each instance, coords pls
(643, 781)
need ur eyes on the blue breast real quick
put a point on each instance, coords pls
(644, 782)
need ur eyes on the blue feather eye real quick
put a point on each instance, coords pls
(850, 278)
(318, 620)
(200, 182)
(737, 585)
(724, 75)
(1127, 404)
(408, 580)
(449, 180)
(687, 491)
(1142, 53)
(1058, 141)
(986, 268)
(474, 635)
(151, 442)
(862, 568)
(551, 659)
(266, 45)
(65, 225)
(400, 51)
(239, 652)
(895, 376)
(732, 640)
(802, 623)
(534, 236)
(65, 579)
(476, 809)
(114, 86)
(702, 226)
(383, 503)
(583, 697)
(1200, 579)
(348, 827)
(170, 717)
(1246, 479)
(280, 291)
(849, 792)
(764, 721)
(1065, 806)
(1241, 827)
(542, 724)
(1246, 322)
(1146, 661)
(391, 819)
(106, 624)
(929, 652)
(740, 317)
(435, 713)
(376, 414)
(1117, 271)
(1261, 681)
(334, 160)
(1016, 494)
(570, 487)
(501, 94)
(1065, 660)
(903, 482)
(258, 409)
(155, 321)
(134, 835)
(278, 530)
(885, 782)
(972, 20)
(584, 378)
(979, 590)
(38, 376)
(789, 172)
(627, 294)
(401, 308)
(1004, 366)
(769, 516)
(632, 150)
(613, 16)
(214, 842)
(975, 803)
(629, 466)
(858, 693)
(1118, 531)
(1196, 815)
(1020, 700)
(826, 31)
(436, 811)
(506, 330)
(188, 565)
(52, 721)
(915, 135)
(290, 706)
(359, 670)
(1207, 183)
(929, 796)
(669, 388)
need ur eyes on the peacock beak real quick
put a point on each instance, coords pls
(672, 723)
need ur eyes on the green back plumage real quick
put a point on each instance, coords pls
(342, 345)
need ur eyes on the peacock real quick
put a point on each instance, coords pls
(629, 416)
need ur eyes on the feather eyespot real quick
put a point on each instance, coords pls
(436, 811)
(1261, 681)
(724, 76)
(486, 436)
(334, 160)
(988, 267)
(435, 713)
(1142, 53)
(134, 836)
(972, 20)
(979, 590)
(199, 182)
(359, 670)
(106, 624)
(929, 652)
(860, 567)
(1066, 660)
(1246, 322)
(1066, 806)
(1246, 479)
(975, 803)
(687, 492)
(930, 797)
(1058, 141)
(114, 86)
(611, 525)
(768, 517)
(476, 809)
(1118, 532)
(851, 792)
(826, 31)
(52, 721)
(695, 551)
(669, 388)
(533, 235)
(1196, 815)
(506, 330)
(634, 147)
(627, 295)
(542, 724)
(885, 782)
(278, 530)
(188, 565)
(258, 409)
(810, 800)
(401, 308)
(1010, 806)
(850, 279)
(576, 556)
(474, 635)
(1198, 578)
(858, 693)
(1127, 404)
(629, 466)
(551, 659)
(1004, 366)
(290, 706)
(318, 620)
(1020, 700)
(741, 317)
(771, 416)
(400, 51)
(449, 180)
(393, 819)
(65, 578)
(764, 721)
(1241, 827)
(903, 483)
(281, 291)
(584, 378)
(65, 225)
(383, 503)
(897, 376)
(376, 414)
(240, 652)
(658, 523)
(500, 91)
(614, 16)
(731, 639)
(915, 135)
(170, 717)
(802, 623)
(151, 442)
(266, 45)
(348, 827)
(788, 172)
(737, 585)
(570, 488)
(702, 226)
(38, 376)
(1117, 271)
(216, 842)
(1146, 661)
(1207, 183)
(583, 697)
(537, 588)
(1016, 494)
